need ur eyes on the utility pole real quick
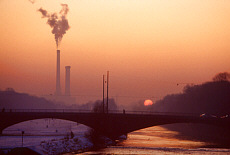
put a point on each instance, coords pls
(103, 93)
(107, 103)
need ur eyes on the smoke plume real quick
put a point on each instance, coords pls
(32, 1)
(59, 24)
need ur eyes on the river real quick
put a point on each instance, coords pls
(153, 140)
(158, 140)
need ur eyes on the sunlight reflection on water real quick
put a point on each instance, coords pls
(158, 137)
(158, 140)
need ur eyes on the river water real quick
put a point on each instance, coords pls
(153, 140)
(158, 140)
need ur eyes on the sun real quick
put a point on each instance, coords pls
(148, 102)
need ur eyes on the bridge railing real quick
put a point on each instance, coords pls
(90, 111)
(153, 113)
(46, 110)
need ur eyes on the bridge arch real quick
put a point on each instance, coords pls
(45, 126)
(9, 119)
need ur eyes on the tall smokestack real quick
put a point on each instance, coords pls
(58, 84)
(67, 80)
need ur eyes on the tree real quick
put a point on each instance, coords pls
(98, 107)
(225, 76)
(10, 90)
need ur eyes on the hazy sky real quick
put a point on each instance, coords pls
(147, 45)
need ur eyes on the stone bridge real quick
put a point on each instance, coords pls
(112, 124)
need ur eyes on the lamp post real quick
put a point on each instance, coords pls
(103, 94)
(22, 137)
(107, 103)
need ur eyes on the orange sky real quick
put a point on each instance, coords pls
(147, 45)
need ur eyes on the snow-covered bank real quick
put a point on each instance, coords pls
(45, 136)
(66, 145)
(76, 144)
(49, 136)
